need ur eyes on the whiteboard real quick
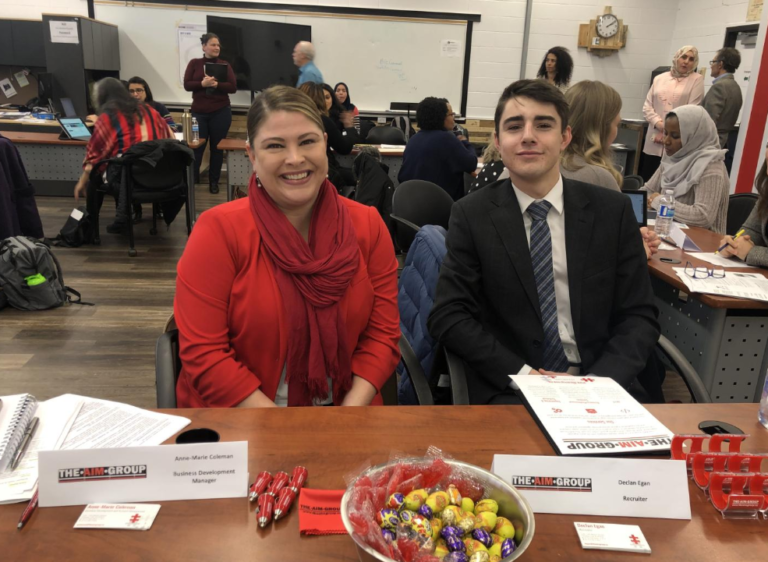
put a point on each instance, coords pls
(381, 61)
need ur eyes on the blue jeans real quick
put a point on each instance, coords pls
(214, 128)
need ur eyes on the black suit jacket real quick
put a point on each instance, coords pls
(487, 310)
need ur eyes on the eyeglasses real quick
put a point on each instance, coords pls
(699, 272)
(136, 91)
(714, 61)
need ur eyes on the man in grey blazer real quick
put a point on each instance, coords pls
(543, 274)
(723, 100)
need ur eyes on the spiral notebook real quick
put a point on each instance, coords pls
(15, 416)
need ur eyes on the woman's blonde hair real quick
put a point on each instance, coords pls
(491, 153)
(594, 106)
(317, 94)
(280, 98)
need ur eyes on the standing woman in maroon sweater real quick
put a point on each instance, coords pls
(210, 105)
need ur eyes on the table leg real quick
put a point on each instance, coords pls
(230, 183)
(191, 194)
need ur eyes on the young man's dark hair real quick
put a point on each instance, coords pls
(730, 57)
(431, 114)
(538, 90)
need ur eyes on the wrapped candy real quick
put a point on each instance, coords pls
(507, 547)
(396, 501)
(421, 526)
(480, 556)
(387, 518)
(425, 511)
(454, 496)
(388, 535)
(466, 524)
(450, 531)
(456, 556)
(406, 516)
(483, 536)
(454, 544)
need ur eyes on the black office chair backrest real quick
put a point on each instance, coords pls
(632, 182)
(418, 202)
(169, 172)
(167, 368)
(385, 135)
(739, 207)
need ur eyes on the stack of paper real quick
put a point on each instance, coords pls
(735, 284)
(77, 422)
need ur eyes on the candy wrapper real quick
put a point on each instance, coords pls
(425, 510)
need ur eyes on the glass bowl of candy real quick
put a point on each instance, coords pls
(435, 510)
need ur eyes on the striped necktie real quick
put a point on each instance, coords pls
(541, 258)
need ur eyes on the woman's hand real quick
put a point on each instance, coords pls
(658, 138)
(739, 247)
(651, 241)
(82, 183)
(209, 82)
(347, 119)
(651, 197)
(361, 393)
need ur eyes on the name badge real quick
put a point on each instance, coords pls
(598, 486)
(139, 474)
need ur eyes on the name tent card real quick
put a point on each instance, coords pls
(140, 474)
(599, 486)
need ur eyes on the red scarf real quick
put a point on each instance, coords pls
(312, 278)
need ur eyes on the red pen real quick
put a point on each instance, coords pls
(260, 485)
(30, 509)
(284, 502)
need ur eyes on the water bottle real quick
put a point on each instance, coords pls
(195, 130)
(762, 414)
(666, 213)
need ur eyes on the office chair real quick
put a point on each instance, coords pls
(414, 371)
(386, 135)
(740, 205)
(633, 182)
(416, 203)
(168, 368)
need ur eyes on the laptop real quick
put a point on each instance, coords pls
(639, 199)
(74, 128)
(68, 107)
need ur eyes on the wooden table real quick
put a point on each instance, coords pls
(724, 338)
(331, 442)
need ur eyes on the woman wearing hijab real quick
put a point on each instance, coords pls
(752, 247)
(287, 297)
(682, 85)
(342, 94)
(693, 167)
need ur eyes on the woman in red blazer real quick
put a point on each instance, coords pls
(288, 297)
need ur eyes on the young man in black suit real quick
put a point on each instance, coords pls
(543, 274)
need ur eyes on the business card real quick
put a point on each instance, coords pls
(604, 536)
(135, 517)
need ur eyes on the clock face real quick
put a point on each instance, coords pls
(607, 26)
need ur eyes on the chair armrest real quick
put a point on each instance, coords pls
(458, 374)
(165, 369)
(407, 223)
(691, 378)
(416, 373)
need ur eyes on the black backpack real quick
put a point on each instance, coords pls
(76, 231)
(31, 276)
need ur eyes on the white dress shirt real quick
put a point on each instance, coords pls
(556, 222)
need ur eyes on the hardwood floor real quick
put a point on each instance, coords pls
(108, 350)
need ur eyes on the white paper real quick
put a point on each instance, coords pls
(64, 32)
(681, 240)
(138, 474)
(21, 78)
(102, 423)
(592, 415)
(134, 517)
(76, 214)
(735, 284)
(56, 417)
(666, 247)
(604, 536)
(716, 259)
(7, 88)
(450, 48)
(189, 45)
(653, 488)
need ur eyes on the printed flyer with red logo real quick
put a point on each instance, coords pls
(591, 415)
